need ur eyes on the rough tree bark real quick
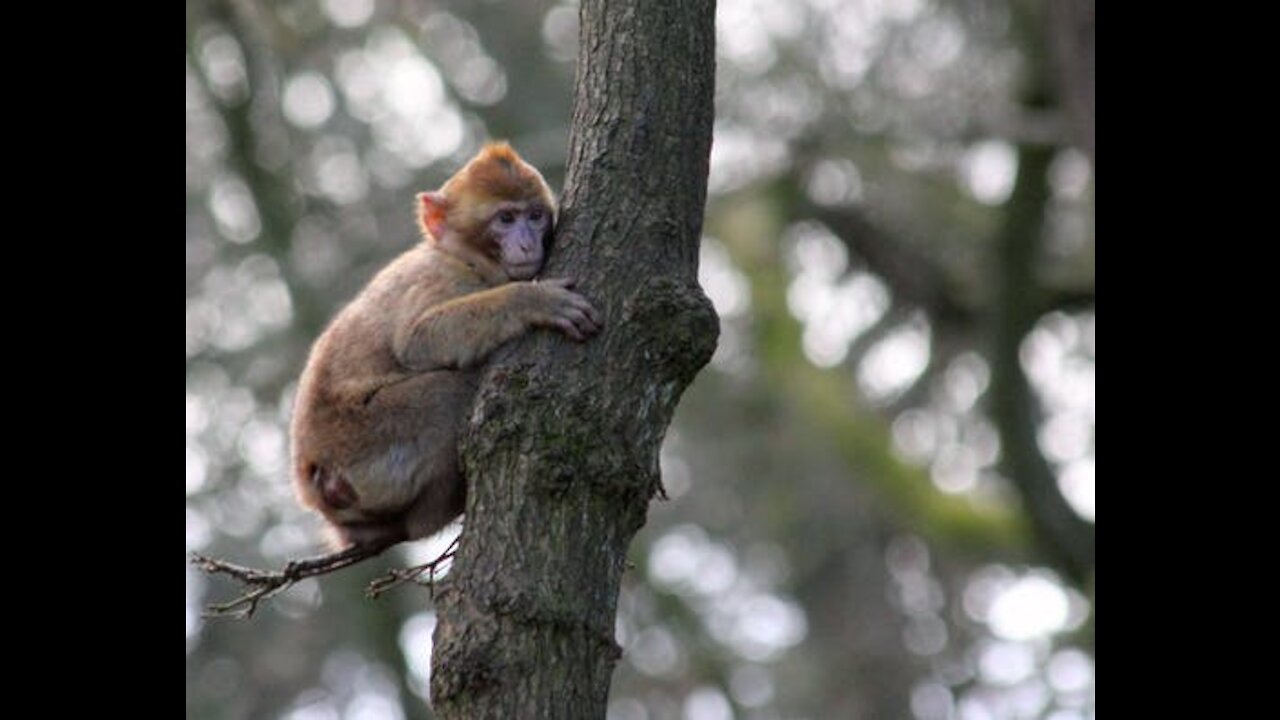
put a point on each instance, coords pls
(562, 449)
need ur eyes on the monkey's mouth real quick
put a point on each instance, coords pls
(525, 270)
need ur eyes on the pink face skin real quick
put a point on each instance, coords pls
(519, 230)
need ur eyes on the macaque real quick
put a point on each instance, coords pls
(389, 384)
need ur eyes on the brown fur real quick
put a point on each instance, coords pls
(390, 381)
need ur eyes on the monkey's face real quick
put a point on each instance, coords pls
(519, 231)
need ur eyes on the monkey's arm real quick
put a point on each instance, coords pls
(463, 331)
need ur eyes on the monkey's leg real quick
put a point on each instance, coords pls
(409, 484)
(370, 534)
(443, 498)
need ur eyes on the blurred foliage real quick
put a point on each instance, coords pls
(881, 488)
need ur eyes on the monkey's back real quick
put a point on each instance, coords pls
(360, 412)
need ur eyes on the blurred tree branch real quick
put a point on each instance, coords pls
(1064, 535)
(1071, 27)
(1067, 300)
(749, 223)
(275, 198)
(829, 395)
(914, 278)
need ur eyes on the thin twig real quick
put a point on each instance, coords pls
(263, 584)
(397, 577)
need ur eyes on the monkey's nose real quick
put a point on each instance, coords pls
(528, 239)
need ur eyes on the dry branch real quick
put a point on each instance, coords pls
(413, 574)
(263, 584)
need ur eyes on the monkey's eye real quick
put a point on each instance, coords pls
(535, 215)
(506, 217)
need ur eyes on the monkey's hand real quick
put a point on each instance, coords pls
(560, 307)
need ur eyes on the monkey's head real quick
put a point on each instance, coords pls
(497, 205)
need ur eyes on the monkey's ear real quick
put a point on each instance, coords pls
(432, 207)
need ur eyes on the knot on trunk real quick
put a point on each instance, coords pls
(675, 325)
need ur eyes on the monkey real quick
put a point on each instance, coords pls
(389, 384)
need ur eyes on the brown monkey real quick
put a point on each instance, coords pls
(390, 382)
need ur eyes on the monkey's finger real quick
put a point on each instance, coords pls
(592, 318)
(580, 302)
(565, 283)
(596, 317)
(578, 318)
(584, 323)
(568, 328)
(584, 306)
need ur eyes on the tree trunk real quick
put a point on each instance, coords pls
(562, 450)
